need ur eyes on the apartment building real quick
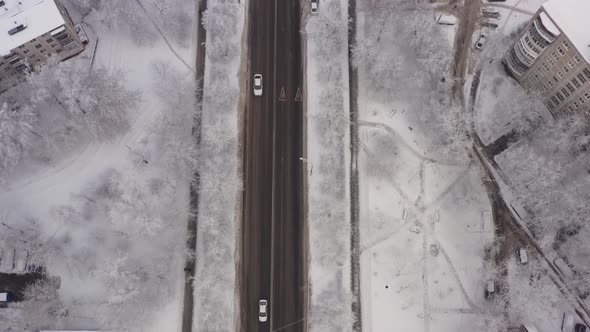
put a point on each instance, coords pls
(30, 32)
(552, 56)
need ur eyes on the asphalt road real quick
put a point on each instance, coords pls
(272, 230)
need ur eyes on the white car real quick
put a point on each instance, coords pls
(262, 310)
(314, 6)
(523, 256)
(258, 85)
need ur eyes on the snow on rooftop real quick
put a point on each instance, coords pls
(3, 297)
(40, 16)
(571, 16)
(548, 23)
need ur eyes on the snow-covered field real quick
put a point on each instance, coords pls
(107, 216)
(220, 184)
(425, 215)
(328, 156)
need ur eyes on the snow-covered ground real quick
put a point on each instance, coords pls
(123, 176)
(328, 155)
(425, 217)
(220, 185)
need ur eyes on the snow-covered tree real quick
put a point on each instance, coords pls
(16, 136)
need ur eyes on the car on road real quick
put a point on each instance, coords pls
(481, 41)
(262, 310)
(315, 6)
(523, 256)
(581, 328)
(257, 85)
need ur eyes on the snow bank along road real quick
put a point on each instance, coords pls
(272, 254)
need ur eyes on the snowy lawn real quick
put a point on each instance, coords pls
(424, 212)
(329, 159)
(107, 217)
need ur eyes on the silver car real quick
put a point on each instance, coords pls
(262, 310)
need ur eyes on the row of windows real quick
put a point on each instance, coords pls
(562, 95)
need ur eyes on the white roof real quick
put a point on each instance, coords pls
(571, 16)
(40, 16)
(3, 297)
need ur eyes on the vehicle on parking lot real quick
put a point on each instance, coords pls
(490, 289)
(315, 6)
(5, 297)
(262, 310)
(480, 42)
(581, 328)
(563, 268)
(523, 256)
(257, 85)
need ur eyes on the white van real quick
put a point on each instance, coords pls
(523, 256)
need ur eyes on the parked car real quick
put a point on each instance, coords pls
(262, 310)
(563, 268)
(21, 260)
(490, 289)
(480, 42)
(581, 328)
(523, 256)
(315, 6)
(257, 85)
(5, 297)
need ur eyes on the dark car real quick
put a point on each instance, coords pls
(581, 328)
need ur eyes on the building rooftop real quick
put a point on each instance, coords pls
(571, 16)
(36, 16)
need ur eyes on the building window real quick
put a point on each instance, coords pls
(22, 46)
(551, 61)
(555, 101)
(59, 51)
(53, 45)
(577, 58)
(587, 95)
(581, 100)
(26, 51)
(570, 108)
(42, 51)
(49, 40)
(566, 45)
(570, 87)
(560, 96)
(566, 69)
(576, 83)
(34, 39)
(550, 83)
(587, 72)
(555, 79)
(582, 78)
(565, 93)
(576, 105)
(560, 74)
(560, 50)
(38, 46)
(571, 64)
